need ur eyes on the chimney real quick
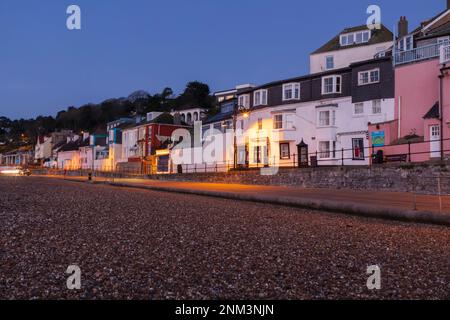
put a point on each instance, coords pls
(403, 27)
(448, 4)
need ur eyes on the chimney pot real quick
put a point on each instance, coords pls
(403, 27)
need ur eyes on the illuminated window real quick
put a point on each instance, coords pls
(285, 152)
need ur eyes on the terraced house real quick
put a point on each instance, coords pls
(421, 127)
(322, 117)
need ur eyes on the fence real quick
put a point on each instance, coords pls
(418, 54)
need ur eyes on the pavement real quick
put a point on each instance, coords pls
(389, 205)
(131, 243)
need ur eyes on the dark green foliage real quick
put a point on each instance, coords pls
(94, 117)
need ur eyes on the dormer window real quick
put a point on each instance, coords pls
(331, 84)
(291, 91)
(260, 98)
(359, 37)
(244, 101)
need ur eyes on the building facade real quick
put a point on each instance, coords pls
(327, 114)
(422, 93)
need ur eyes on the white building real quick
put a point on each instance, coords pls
(327, 113)
(189, 115)
(350, 46)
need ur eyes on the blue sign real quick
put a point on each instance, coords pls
(378, 139)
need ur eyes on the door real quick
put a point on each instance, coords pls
(435, 141)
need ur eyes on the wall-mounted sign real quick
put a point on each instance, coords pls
(378, 139)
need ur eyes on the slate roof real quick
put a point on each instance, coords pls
(74, 145)
(219, 117)
(378, 36)
(433, 113)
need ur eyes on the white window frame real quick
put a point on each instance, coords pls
(327, 122)
(296, 91)
(276, 122)
(283, 155)
(352, 36)
(362, 151)
(244, 100)
(263, 97)
(358, 114)
(324, 153)
(380, 107)
(334, 84)
(326, 62)
(443, 40)
(369, 74)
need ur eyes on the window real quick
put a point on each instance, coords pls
(285, 152)
(260, 124)
(406, 43)
(329, 62)
(355, 38)
(327, 118)
(324, 150)
(244, 101)
(260, 98)
(443, 40)
(359, 109)
(257, 154)
(376, 106)
(278, 122)
(358, 149)
(368, 77)
(331, 84)
(227, 108)
(291, 91)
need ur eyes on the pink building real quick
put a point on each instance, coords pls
(422, 94)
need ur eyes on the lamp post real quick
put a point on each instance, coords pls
(238, 109)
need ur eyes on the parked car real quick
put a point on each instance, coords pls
(15, 171)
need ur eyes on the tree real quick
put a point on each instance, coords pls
(196, 94)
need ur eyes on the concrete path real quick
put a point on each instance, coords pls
(394, 205)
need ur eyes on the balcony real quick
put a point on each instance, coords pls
(445, 54)
(422, 53)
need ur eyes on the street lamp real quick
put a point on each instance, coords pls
(238, 109)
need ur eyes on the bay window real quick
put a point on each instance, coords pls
(327, 118)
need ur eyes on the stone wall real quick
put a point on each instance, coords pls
(421, 178)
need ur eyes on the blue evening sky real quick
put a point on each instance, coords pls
(126, 45)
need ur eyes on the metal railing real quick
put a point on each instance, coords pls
(418, 54)
(445, 54)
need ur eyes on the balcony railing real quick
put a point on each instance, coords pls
(419, 54)
(445, 54)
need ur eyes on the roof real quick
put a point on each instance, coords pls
(219, 117)
(74, 145)
(316, 75)
(442, 30)
(433, 113)
(378, 36)
(427, 22)
(59, 145)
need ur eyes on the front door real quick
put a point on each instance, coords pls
(435, 141)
